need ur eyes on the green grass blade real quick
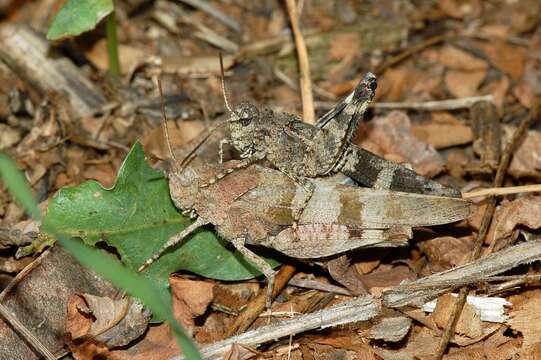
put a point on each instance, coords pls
(18, 186)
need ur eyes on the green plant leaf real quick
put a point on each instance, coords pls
(136, 216)
(78, 16)
(104, 264)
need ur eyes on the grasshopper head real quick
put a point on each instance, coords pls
(244, 126)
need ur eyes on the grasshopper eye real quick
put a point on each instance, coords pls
(245, 121)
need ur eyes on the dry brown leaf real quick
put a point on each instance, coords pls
(341, 270)
(113, 322)
(179, 134)
(458, 59)
(386, 278)
(442, 136)
(8, 136)
(526, 318)
(343, 45)
(526, 161)
(366, 266)
(421, 344)
(129, 56)
(241, 352)
(158, 344)
(508, 58)
(525, 211)
(498, 89)
(524, 93)
(447, 252)
(392, 84)
(104, 173)
(464, 83)
(190, 299)
(469, 323)
(459, 9)
(390, 136)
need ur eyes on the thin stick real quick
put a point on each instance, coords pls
(485, 223)
(436, 105)
(25, 333)
(164, 120)
(498, 191)
(414, 49)
(308, 111)
(206, 7)
(257, 305)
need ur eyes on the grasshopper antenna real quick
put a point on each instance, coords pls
(222, 78)
(164, 120)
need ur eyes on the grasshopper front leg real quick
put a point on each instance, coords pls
(262, 265)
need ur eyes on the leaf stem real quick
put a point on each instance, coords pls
(112, 44)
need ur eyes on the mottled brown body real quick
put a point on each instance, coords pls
(259, 203)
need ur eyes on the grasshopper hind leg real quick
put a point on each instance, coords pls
(262, 265)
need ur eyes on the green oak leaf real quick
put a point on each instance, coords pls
(78, 16)
(136, 216)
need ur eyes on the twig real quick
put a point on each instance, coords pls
(498, 191)
(308, 111)
(206, 7)
(257, 305)
(25, 333)
(360, 309)
(411, 51)
(22, 274)
(317, 285)
(485, 223)
(436, 105)
(367, 307)
(317, 90)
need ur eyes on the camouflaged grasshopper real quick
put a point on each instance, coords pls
(341, 223)
(256, 206)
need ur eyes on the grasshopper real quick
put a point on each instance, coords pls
(257, 206)
(270, 210)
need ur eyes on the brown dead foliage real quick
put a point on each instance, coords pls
(485, 48)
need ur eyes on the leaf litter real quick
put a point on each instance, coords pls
(129, 211)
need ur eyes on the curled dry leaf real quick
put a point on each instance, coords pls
(469, 323)
(525, 211)
(112, 322)
(344, 273)
(446, 252)
(391, 329)
(241, 352)
(457, 59)
(526, 318)
(129, 56)
(190, 299)
(442, 136)
(526, 161)
(464, 83)
(508, 58)
(391, 137)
